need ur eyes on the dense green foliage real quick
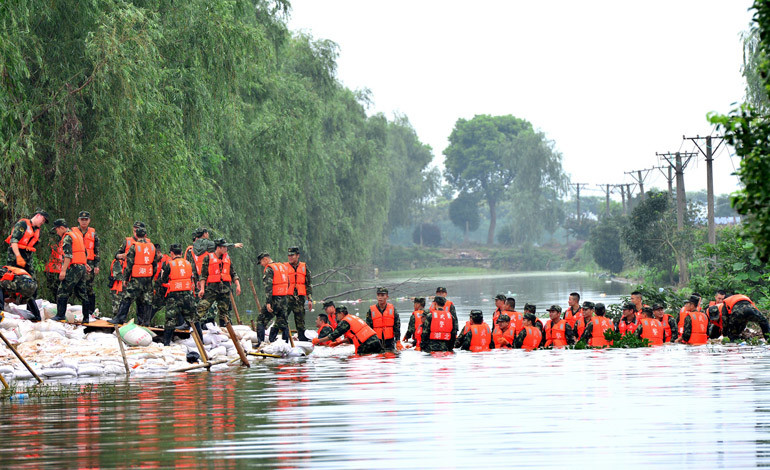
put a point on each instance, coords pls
(427, 234)
(464, 213)
(605, 244)
(747, 128)
(197, 113)
(504, 157)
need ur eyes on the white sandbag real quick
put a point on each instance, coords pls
(49, 325)
(49, 311)
(9, 322)
(296, 352)
(20, 311)
(218, 351)
(90, 370)
(74, 316)
(75, 308)
(247, 345)
(231, 351)
(279, 347)
(137, 336)
(23, 374)
(65, 362)
(77, 334)
(213, 329)
(110, 369)
(311, 334)
(99, 337)
(6, 372)
(59, 372)
(187, 342)
(306, 346)
(31, 336)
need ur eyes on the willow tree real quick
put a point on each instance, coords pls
(487, 155)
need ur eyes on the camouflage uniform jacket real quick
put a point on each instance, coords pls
(396, 320)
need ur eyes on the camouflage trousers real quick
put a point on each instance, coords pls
(89, 278)
(279, 313)
(52, 282)
(27, 255)
(19, 290)
(295, 304)
(137, 289)
(116, 297)
(218, 292)
(179, 304)
(74, 283)
(158, 297)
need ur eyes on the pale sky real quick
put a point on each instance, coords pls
(610, 82)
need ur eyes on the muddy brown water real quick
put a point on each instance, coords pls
(669, 407)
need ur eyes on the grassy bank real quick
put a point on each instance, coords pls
(436, 271)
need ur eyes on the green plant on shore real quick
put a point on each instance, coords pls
(62, 390)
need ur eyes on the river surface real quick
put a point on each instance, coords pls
(668, 407)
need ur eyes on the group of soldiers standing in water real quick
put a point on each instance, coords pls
(437, 329)
(187, 283)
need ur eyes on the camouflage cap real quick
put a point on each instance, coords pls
(441, 301)
(530, 316)
(629, 306)
(500, 297)
(382, 290)
(658, 306)
(175, 248)
(477, 314)
(588, 305)
(294, 250)
(553, 308)
(441, 289)
(530, 308)
(43, 213)
(694, 299)
(139, 224)
(222, 242)
(342, 309)
(600, 309)
(647, 309)
(328, 304)
(84, 215)
(58, 223)
(503, 318)
(262, 254)
(419, 300)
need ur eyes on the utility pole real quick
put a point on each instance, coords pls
(709, 154)
(669, 177)
(628, 192)
(679, 167)
(577, 197)
(622, 197)
(606, 187)
(639, 178)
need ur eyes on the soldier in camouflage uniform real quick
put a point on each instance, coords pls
(158, 289)
(731, 322)
(138, 282)
(217, 274)
(73, 272)
(52, 270)
(23, 238)
(427, 344)
(371, 345)
(295, 301)
(92, 256)
(275, 305)
(17, 285)
(116, 284)
(178, 303)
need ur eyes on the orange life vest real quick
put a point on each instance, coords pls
(280, 279)
(571, 318)
(734, 299)
(180, 276)
(498, 336)
(480, 336)
(54, 261)
(580, 325)
(78, 247)
(533, 338)
(652, 330)
(117, 285)
(163, 259)
(600, 325)
(219, 269)
(517, 321)
(321, 329)
(383, 321)
(30, 237)
(417, 314)
(297, 278)
(555, 336)
(466, 327)
(12, 272)
(89, 240)
(441, 325)
(666, 327)
(144, 255)
(495, 315)
(198, 260)
(359, 331)
(699, 334)
(624, 327)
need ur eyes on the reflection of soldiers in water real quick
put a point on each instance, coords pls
(730, 318)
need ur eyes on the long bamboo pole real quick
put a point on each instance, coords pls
(238, 347)
(7, 343)
(235, 308)
(122, 350)
(199, 345)
(198, 366)
(256, 299)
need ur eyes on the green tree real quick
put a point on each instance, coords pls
(464, 213)
(747, 128)
(427, 234)
(487, 155)
(605, 244)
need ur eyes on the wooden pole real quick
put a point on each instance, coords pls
(291, 339)
(5, 384)
(256, 299)
(264, 355)
(238, 347)
(122, 351)
(7, 343)
(235, 309)
(198, 366)
(199, 345)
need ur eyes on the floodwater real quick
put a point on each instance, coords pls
(669, 407)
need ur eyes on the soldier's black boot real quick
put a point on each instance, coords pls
(149, 314)
(61, 307)
(32, 307)
(91, 304)
(168, 334)
(260, 334)
(285, 334)
(273, 334)
(120, 318)
(181, 323)
(199, 330)
(86, 311)
(301, 335)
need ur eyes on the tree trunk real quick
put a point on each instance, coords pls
(465, 235)
(492, 222)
